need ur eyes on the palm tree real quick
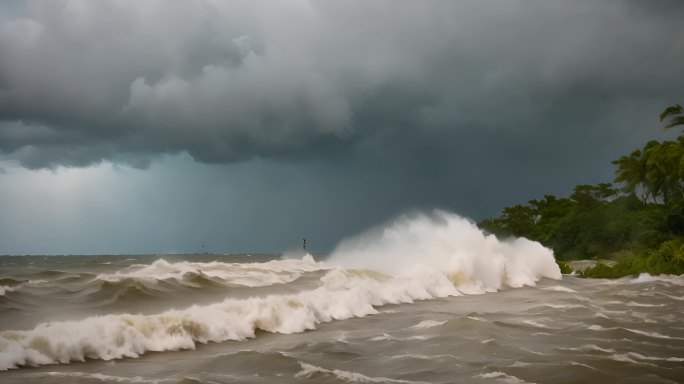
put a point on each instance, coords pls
(674, 112)
(667, 167)
(632, 170)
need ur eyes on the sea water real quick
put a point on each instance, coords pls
(427, 298)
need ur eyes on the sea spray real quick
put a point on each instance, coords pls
(442, 243)
(417, 257)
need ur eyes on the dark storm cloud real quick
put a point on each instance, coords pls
(86, 81)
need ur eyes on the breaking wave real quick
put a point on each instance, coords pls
(419, 257)
(244, 274)
(445, 245)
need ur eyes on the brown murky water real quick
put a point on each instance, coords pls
(82, 319)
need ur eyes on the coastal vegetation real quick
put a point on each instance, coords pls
(638, 221)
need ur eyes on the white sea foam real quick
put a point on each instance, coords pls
(503, 378)
(635, 304)
(652, 358)
(588, 347)
(678, 298)
(535, 323)
(422, 357)
(247, 274)
(560, 288)
(563, 306)
(429, 324)
(308, 370)
(655, 335)
(627, 359)
(646, 278)
(383, 337)
(4, 289)
(520, 364)
(417, 337)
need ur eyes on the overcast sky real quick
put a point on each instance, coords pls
(160, 126)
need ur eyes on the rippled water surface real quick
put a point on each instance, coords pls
(260, 319)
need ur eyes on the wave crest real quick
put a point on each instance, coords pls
(446, 244)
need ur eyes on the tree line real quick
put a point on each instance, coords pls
(638, 220)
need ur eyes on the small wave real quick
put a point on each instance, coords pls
(584, 365)
(678, 298)
(647, 278)
(587, 348)
(535, 324)
(4, 289)
(102, 377)
(310, 371)
(560, 288)
(635, 304)
(520, 364)
(564, 306)
(503, 377)
(653, 334)
(382, 337)
(626, 359)
(417, 337)
(387, 337)
(531, 351)
(422, 357)
(651, 358)
(429, 324)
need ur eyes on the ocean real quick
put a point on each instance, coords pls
(427, 300)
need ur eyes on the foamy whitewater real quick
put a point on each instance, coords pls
(421, 277)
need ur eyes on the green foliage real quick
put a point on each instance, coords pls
(668, 258)
(674, 112)
(589, 224)
(600, 270)
(564, 267)
(640, 224)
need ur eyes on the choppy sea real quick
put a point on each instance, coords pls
(462, 308)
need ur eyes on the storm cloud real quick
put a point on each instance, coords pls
(319, 117)
(85, 81)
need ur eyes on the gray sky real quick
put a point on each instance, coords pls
(158, 126)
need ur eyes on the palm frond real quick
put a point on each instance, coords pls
(675, 121)
(671, 110)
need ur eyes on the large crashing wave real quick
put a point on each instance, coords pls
(446, 245)
(417, 257)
